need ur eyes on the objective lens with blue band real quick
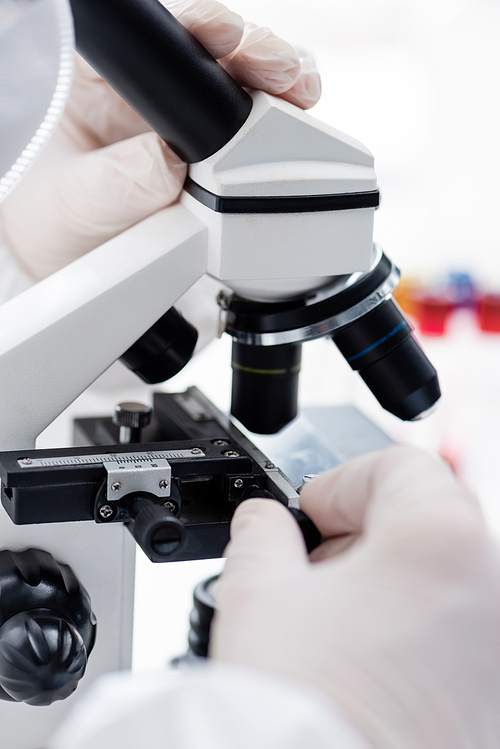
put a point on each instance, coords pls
(378, 343)
(380, 346)
(376, 340)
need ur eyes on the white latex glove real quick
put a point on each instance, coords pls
(104, 171)
(397, 621)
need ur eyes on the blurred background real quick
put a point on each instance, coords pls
(419, 85)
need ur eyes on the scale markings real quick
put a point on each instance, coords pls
(127, 458)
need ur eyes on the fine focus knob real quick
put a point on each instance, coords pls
(201, 616)
(131, 418)
(47, 628)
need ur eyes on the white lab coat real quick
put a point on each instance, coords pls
(209, 707)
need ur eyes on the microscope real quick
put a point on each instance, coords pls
(279, 208)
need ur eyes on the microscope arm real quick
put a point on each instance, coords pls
(61, 334)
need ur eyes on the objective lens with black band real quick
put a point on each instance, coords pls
(163, 350)
(265, 385)
(365, 323)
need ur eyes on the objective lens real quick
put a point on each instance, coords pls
(163, 350)
(380, 346)
(265, 385)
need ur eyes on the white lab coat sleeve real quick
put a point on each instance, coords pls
(208, 707)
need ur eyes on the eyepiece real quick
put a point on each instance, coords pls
(265, 385)
(381, 347)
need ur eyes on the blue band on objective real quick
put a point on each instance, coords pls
(380, 340)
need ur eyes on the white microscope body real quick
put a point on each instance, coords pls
(60, 335)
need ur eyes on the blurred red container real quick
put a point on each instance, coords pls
(489, 313)
(431, 313)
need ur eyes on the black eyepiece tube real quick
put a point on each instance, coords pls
(163, 72)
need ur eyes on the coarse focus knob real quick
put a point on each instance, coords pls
(131, 418)
(47, 628)
(42, 657)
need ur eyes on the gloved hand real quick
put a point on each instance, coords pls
(396, 617)
(104, 171)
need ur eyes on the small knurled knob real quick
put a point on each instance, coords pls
(131, 418)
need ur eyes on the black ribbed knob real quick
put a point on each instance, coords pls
(131, 418)
(201, 616)
(42, 657)
(47, 628)
(159, 533)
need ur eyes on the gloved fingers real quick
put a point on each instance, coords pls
(332, 547)
(265, 541)
(265, 528)
(253, 55)
(103, 115)
(215, 26)
(264, 61)
(397, 493)
(306, 91)
(79, 205)
(97, 111)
